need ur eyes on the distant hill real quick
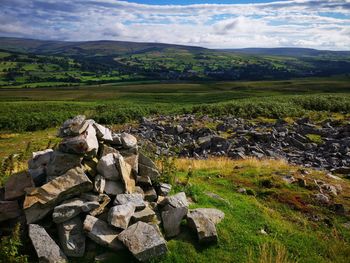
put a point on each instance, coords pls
(34, 63)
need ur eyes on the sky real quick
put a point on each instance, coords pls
(320, 24)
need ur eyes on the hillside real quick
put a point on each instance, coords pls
(36, 63)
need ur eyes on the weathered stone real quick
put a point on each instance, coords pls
(61, 163)
(214, 215)
(172, 219)
(85, 143)
(120, 215)
(139, 190)
(321, 198)
(100, 232)
(174, 201)
(99, 184)
(72, 238)
(146, 215)
(113, 187)
(9, 210)
(164, 189)
(45, 247)
(39, 201)
(150, 195)
(15, 185)
(144, 181)
(117, 140)
(103, 133)
(72, 208)
(203, 226)
(132, 160)
(126, 174)
(107, 167)
(104, 201)
(74, 126)
(105, 149)
(147, 168)
(128, 140)
(90, 166)
(37, 165)
(143, 241)
(135, 199)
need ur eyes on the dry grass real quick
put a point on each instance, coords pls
(270, 253)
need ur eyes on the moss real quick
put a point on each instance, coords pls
(315, 138)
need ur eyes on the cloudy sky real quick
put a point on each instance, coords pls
(322, 24)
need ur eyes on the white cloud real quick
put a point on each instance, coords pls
(323, 24)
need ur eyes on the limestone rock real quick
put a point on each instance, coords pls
(144, 181)
(9, 210)
(85, 143)
(146, 215)
(72, 238)
(120, 215)
(61, 163)
(100, 232)
(37, 165)
(75, 126)
(203, 226)
(99, 184)
(164, 189)
(214, 215)
(107, 167)
(113, 187)
(147, 168)
(172, 219)
(126, 175)
(135, 199)
(174, 201)
(150, 195)
(143, 241)
(103, 133)
(132, 160)
(105, 149)
(15, 185)
(45, 247)
(104, 201)
(128, 140)
(39, 201)
(72, 208)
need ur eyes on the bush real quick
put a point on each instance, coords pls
(10, 248)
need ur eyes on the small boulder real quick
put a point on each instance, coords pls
(213, 214)
(72, 238)
(128, 140)
(15, 185)
(164, 189)
(107, 167)
(75, 126)
(203, 226)
(127, 176)
(103, 133)
(100, 232)
(150, 195)
(146, 215)
(143, 241)
(120, 215)
(45, 247)
(172, 219)
(113, 187)
(174, 201)
(135, 199)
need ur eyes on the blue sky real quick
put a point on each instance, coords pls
(321, 24)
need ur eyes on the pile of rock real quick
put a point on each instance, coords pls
(97, 184)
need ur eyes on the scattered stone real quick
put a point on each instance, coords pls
(174, 201)
(143, 241)
(164, 189)
(135, 199)
(120, 215)
(45, 247)
(15, 185)
(171, 219)
(203, 226)
(100, 232)
(73, 127)
(9, 210)
(242, 190)
(146, 215)
(321, 198)
(72, 238)
(214, 215)
(39, 201)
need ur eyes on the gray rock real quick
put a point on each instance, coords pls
(174, 201)
(61, 163)
(146, 215)
(213, 214)
(100, 232)
(143, 241)
(150, 195)
(85, 143)
(107, 167)
(172, 219)
(9, 210)
(147, 168)
(45, 247)
(105, 149)
(321, 198)
(117, 140)
(103, 133)
(74, 126)
(37, 165)
(113, 187)
(120, 215)
(99, 184)
(72, 238)
(143, 181)
(15, 185)
(72, 208)
(126, 174)
(203, 226)
(135, 199)
(128, 140)
(41, 200)
(164, 189)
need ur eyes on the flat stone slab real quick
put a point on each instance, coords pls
(135, 199)
(39, 201)
(15, 185)
(60, 163)
(72, 238)
(45, 247)
(203, 226)
(119, 216)
(103, 234)
(143, 241)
